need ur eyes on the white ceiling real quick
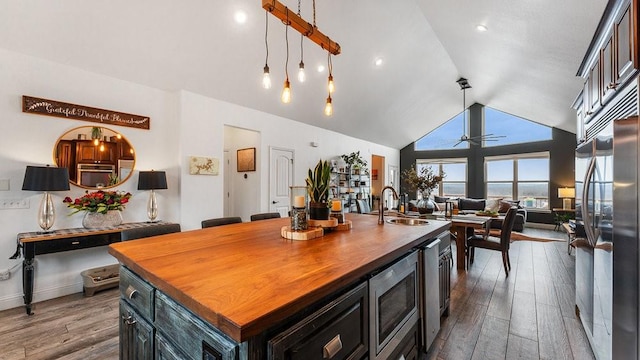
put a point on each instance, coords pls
(525, 63)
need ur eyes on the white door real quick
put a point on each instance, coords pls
(394, 181)
(280, 179)
(226, 170)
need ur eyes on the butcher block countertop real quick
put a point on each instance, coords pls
(244, 278)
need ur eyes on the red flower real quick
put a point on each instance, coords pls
(99, 201)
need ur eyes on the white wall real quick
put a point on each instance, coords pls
(182, 124)
(29, 140)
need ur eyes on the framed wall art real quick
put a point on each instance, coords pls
(199, 165)
(246, 159)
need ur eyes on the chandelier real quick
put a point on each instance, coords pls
(306, 29)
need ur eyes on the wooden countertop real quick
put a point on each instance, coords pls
(244, 278)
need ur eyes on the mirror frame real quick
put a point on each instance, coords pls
(109, 138)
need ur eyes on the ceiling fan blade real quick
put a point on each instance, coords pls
(458, 143)
(473, 142)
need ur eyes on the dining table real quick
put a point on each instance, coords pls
(459, 225)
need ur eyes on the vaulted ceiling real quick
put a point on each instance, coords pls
(524, 64)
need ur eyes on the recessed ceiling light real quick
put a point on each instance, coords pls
(240, 17)
(320, 68)
(481, 28)
(378, 61)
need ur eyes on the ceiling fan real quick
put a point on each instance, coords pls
(473, 140)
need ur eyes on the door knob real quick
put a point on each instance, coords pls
(274, 202)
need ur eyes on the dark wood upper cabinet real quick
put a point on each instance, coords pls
(89, 153)
(625, 28)
(608, 82)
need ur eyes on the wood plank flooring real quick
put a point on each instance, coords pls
(528, 315)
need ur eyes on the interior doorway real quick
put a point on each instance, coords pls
(280, 179)
(242, 189)
(378, 180)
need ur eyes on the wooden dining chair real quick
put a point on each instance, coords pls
(264, 216)
(500, 243)
(221, 221)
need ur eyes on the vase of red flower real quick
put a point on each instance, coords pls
(93, 220)
(102, 208)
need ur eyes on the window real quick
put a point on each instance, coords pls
(454, 183)
(499, 123)
(524, 177)
(445, 136)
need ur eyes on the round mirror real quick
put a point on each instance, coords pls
(97, 157)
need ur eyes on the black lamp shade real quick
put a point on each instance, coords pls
(152, 180)
(46, 178)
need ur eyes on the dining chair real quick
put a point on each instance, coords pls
(264, 216)
(499, 243)
(148, 231)
(221, 221)
(363, 206)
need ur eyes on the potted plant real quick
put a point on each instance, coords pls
(318, 182)
(423, 182)
(355, 161)
(102, 208)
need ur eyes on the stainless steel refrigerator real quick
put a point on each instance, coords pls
(607, 239)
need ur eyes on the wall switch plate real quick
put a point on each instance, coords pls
(4, 184)
(12, 204)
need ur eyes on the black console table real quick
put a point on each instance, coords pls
(37, 243)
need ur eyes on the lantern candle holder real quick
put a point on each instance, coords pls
(298, 198)
(337, 210)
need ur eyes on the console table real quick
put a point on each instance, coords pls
(37, 243)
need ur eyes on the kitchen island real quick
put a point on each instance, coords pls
(241, 284)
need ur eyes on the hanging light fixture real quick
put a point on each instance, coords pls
(328, 108)
(301, 75)
(266, 78)
(331, 86)
(286, 90)
(310, 31)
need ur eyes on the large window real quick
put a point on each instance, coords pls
(454, 183)
(502, 124)
(445, 136)
(524, 177)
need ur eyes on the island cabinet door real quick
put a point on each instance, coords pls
(337, 331)
(136, 335)
(189, 336)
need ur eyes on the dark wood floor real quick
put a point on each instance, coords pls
(529, 315)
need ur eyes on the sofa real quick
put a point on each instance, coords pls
(467, 205)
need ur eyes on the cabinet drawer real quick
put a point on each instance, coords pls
(408, 347)
(337, 331)
(190, 335)
(137, 293)
(74, 243)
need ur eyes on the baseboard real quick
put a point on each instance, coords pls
(14, 301)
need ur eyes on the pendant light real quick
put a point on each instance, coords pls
(301, 75)
(286, 90)
(328, 108)
(266, 78)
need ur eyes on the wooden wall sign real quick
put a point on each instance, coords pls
(79, 112)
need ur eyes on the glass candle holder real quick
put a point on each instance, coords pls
(298, 198)
(337, 210)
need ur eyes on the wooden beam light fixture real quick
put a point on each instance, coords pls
(299, 24)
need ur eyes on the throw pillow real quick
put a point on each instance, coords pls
(471, 204)
(505, 205)
(492, 205)
(440, 199)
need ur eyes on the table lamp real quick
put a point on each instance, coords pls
(46, 178)
(152, 180)
(566, 194)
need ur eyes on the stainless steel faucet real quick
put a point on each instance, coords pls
(381, 207)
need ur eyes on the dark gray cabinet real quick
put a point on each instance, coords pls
(337, 331)
(136, 335)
